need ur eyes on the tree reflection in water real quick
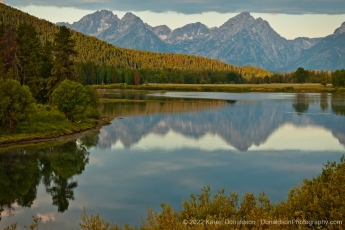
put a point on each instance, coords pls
(338, 104)
(301, 104)
(22, 169)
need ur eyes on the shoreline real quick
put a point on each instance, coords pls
(231, 88)
(57, 138)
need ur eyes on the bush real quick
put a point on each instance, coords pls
(203, 81)
(16, 103)
(75, 100)
(70, 98)
(93, 102)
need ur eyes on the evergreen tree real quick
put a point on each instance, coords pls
(301, 75)
(45, 71)
(63, 64)
(338, 78)
(9, 51)
(30, 58)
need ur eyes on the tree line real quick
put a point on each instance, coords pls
(336, 78)
(90, 74)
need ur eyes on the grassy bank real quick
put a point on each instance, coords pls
(44, 123)
(239, 88)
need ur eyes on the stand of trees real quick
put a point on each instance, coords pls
(338, 78)
(302, 76)
(30, 69)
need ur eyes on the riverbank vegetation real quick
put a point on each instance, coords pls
(234, 88)
(96, 76)
(22, 119)
(316, 203)
(43, 122)
(38, 97)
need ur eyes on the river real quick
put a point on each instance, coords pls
(167, 145)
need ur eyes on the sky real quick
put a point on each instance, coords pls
(290, 18)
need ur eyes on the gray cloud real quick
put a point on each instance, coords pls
(199, 6)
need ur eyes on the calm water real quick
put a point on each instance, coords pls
(162, 151)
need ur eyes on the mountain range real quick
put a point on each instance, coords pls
(242, 40)
(97, 59)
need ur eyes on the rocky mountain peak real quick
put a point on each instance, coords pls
(189, 32)
(104, 15)
(107, 14)
(244, 15)
(161, 31)
(341, 29)
(130, 17)
(104, 12)
(94, 24)
(1, 1)
(241, 20)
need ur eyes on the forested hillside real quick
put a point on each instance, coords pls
(103, 58)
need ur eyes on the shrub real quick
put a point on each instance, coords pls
(16, 103)
(70, 98)
(74, 100)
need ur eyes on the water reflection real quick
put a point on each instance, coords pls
(114, 110)
(22, 169)
(338, 104)
(301, 104)
(241, 125)
(324, 102)
(165, 150)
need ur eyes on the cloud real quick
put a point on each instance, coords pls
(199, 6)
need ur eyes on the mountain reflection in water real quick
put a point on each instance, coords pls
(241, 124)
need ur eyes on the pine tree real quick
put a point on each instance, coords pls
(30, 57)
(9, 51)
(63, 64)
